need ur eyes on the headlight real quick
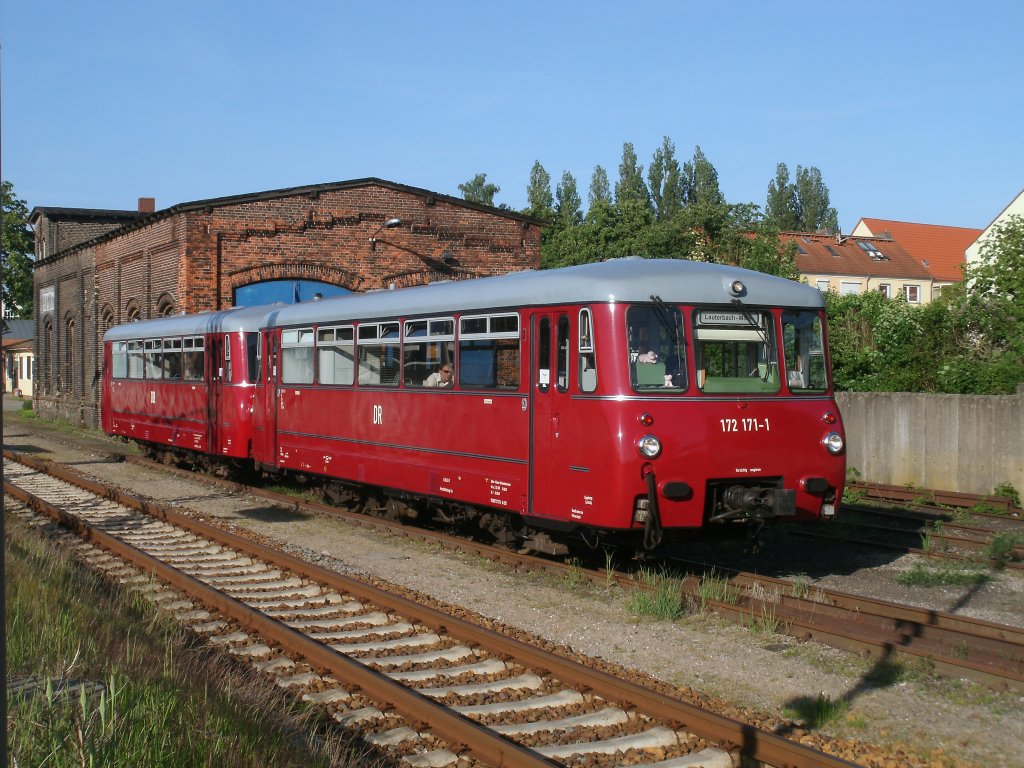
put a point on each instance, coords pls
(834, 442)
(649, 446)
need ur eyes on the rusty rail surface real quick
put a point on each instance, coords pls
(988, 653)
(905, 495)
(458, 730)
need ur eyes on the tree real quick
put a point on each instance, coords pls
(665, 179)
(568, 205)
(700, 181)
(538, 194)
(780, 209)
(812, 201)
(801, 205)
(630, 188)
(477, 190)
(599, 195)
(17, 253)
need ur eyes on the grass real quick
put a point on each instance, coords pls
(1000, 549)
(943, 576)
(714, 587)
(663, 600)
(816, 712)
(159, 697)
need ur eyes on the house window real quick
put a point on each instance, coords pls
(822, 285)
(847, 287)
(871, 250)
(886, 290)
(912, 293)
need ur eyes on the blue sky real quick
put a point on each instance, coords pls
(912, 111)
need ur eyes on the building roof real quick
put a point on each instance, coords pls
(832, 255)
(939, 248)
(313, 191)
(17, 330)
(81, 214)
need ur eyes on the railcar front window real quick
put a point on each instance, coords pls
(657, 349)
(804, 351)
(735, 351)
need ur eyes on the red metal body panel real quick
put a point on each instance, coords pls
(471, 447)
(168, 413)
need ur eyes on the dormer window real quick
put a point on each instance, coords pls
(871, 250)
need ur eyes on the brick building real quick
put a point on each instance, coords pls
(96, 269)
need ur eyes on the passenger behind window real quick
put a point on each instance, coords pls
(442, 377)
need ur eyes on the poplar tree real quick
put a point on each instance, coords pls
(700, 181)
(630, 189)
(812, 200)
(538, 193)
(568, 205)
(599, 197)
(665, 179)
(780, 209)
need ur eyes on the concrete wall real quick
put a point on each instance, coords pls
(966, 443)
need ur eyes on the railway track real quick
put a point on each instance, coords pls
(956, 646)
(433, 688)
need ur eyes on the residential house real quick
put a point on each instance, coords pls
(972, 254)
(938, 248)
(848, 264)
(18, 359)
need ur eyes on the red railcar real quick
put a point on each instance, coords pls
(184, 385)
(629, 398)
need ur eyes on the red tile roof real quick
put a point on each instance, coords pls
(942, 248)
(828, 255)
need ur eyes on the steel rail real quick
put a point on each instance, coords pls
(749, 740)
(483, 743)
(945, 498)
(985, 652)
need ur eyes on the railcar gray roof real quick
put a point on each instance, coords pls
(224, 321)
(617, 280)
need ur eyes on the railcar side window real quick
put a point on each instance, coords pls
(135, 360)
(489, 352)
(735, 351)
(154, 352)
(588, 365)
(429, 345)
(297, 356)
(193, 356)
(657, 349)
(544, 354)
(227, 359)
(172, 359)
(379, 354)
(119, 360)
(336, 352)
(252, 357)
(803, 351)
(562, 378)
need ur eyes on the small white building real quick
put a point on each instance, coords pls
(1016, 208)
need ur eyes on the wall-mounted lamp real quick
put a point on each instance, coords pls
(389, 224)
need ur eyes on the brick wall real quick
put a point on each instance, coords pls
(194, 259)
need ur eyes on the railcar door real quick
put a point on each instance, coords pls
(549, 445)
(267, 455)
(220, 354)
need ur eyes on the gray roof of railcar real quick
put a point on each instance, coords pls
(224, 321)
(616, 280)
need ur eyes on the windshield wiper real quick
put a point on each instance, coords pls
(752, 320)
